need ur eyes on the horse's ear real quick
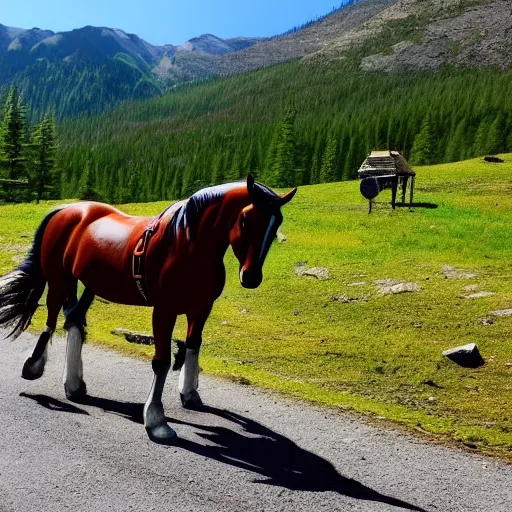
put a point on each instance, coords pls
(250, 186)
(286, 198)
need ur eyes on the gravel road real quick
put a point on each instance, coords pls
(248, 451)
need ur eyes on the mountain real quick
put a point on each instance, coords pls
(89, 69)
(391, 35)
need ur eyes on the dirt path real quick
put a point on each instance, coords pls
(249, 451)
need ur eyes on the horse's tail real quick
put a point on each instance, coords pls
(21, 289)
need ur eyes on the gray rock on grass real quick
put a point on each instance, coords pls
(467, 356)
(394, 287)
(501, 312)
(321, 273)
(451, 272)
(478, 295)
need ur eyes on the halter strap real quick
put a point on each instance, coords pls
(139, 254)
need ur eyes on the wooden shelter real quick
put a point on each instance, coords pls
(386, 169)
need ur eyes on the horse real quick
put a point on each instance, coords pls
(172, 263)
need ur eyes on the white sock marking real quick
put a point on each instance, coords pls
(153, 409)
(73, 369)
(189, 374)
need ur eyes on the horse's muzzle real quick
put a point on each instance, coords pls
(250, 279)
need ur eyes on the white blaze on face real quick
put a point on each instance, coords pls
(267, 240)
(108, 232)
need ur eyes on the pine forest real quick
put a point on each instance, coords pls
(290, 124)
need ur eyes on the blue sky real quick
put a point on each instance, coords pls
(166, 21)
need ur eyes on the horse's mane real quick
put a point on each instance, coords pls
(191, 211)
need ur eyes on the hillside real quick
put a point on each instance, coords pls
(340, 341)
(225, 128)
(89, 69)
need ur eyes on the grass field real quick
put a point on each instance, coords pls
(381, 356)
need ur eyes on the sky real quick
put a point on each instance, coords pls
(166, 21)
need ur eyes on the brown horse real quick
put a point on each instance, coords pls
(173, 263)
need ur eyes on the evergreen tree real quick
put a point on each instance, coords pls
(134, 185)
(482, 138)
(45, 176)
(283, 152)
(87, 189)
(456, 143)
(329, 161)
(13, 144)
(423, 149)
(496, 137)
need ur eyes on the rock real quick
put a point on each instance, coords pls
(450, 272)
(389, 281)
(486, 321)
(133, 336)
(244, 311)
(508, 365)
(418, 325)
(470, 287)
(395, 289)
(501, 312)
(346, 300)
(281, 238)
(321, 273)
(493, 159)
(478, 295)
(467, 356)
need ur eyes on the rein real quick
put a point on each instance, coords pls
(139, 253)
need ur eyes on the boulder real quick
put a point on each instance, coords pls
(501, 312)
(451, 272)
(321, 273)
(395, 289)
(477, 295)
(467, 356)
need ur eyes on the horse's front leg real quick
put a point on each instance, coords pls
(154, 415)
(189, 374)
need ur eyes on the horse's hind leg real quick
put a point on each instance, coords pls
(35, 364)
(75, 312)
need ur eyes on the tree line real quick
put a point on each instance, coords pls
(292, 124)
(28, 169)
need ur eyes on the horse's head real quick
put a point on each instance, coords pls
(256, 229)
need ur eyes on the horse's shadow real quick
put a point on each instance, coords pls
(250, 446)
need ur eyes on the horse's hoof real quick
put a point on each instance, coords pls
(161, 433)
(78, 395)
(32, 371)
(191, 401)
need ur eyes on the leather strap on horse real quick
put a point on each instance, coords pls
(139, 255)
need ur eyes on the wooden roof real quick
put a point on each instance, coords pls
(383, 163)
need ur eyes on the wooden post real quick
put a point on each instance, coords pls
(404, 187)
(393, 191)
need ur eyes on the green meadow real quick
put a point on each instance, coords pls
(379, 355)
